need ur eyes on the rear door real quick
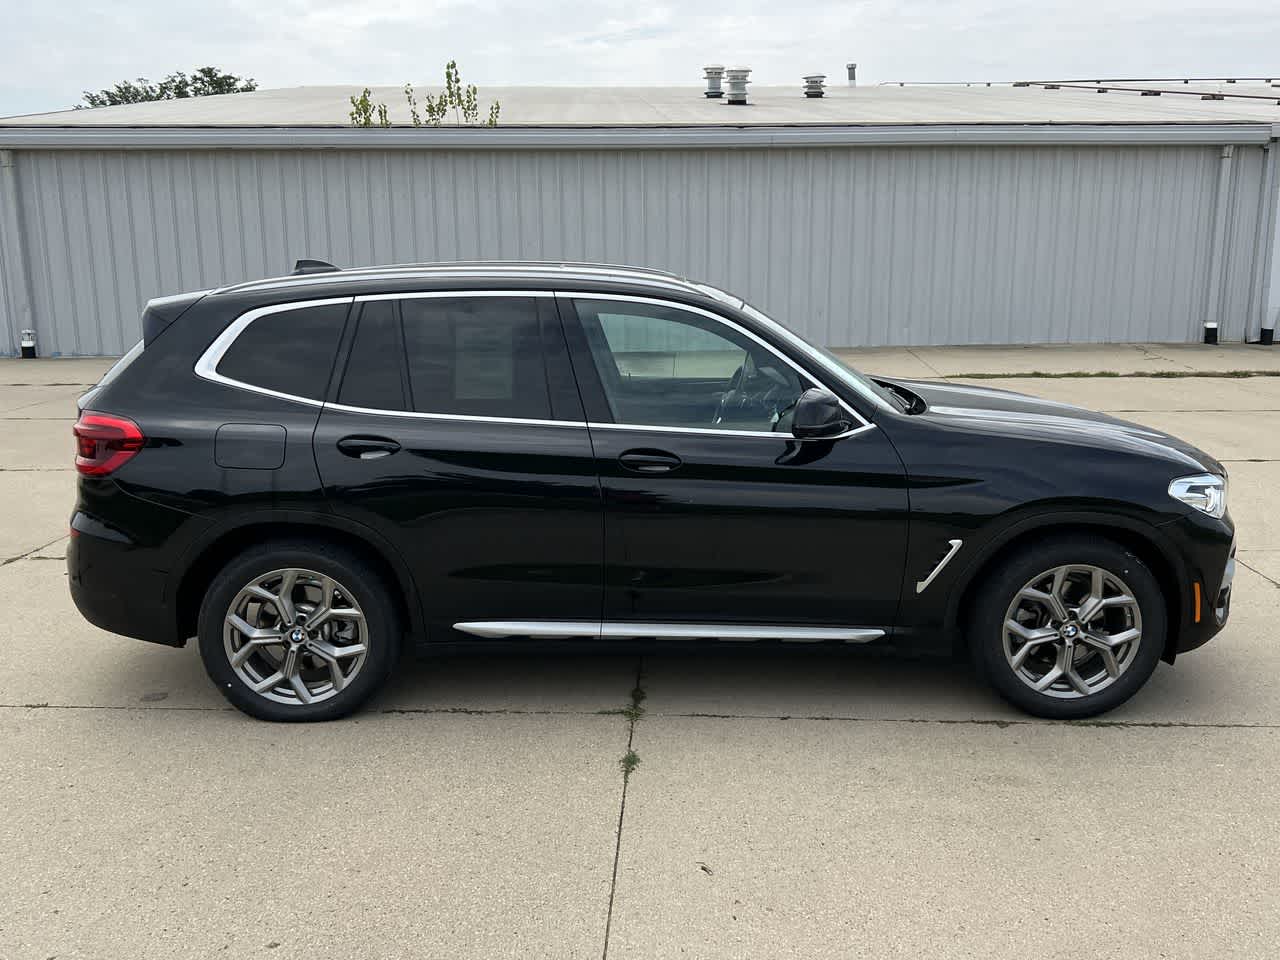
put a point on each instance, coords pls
(455, 430)
(714, 513)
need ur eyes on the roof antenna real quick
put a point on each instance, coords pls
(303, 267)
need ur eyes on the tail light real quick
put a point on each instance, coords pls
(105, 442)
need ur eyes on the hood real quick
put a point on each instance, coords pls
(1004, 413)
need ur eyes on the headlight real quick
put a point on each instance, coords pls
(1205, 491)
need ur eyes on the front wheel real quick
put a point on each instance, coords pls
(1068, 628)
(298, 631)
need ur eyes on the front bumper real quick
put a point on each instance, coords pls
(1207, 551)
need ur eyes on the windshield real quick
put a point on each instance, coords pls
(827, 361)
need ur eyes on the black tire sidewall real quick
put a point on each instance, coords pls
(344, 566)
(986, 631)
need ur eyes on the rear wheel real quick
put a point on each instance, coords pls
(298, 631)
(1068, 628)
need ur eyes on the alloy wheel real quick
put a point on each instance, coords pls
(1072, 631)
(295, 636)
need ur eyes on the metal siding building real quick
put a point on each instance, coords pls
(899, 234)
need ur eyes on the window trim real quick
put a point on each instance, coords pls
(862, 422)
(207, 366)
(454, 417)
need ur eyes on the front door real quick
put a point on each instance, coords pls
(456, 432)
(714, 512)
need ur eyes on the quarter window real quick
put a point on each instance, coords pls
(663, 366)
(291, 351)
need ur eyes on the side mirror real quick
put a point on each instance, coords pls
(819, 416)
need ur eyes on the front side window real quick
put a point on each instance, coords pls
(668, 367)
(464, 356)
(290, 351)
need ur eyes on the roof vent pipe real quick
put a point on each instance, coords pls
(853, 74)
(737, 78)
(813, 84)
(713, 73)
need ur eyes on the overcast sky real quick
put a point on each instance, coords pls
(57, 49)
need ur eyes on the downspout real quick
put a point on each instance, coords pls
(1255, 315)
(1269, 315)
(1213, 304)
(14, 243)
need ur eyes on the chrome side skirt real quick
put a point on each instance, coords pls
(955, 547)
(615, 630)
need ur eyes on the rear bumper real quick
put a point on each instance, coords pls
(114, 585)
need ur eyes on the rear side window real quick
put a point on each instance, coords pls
(467, 356)
(289, 352)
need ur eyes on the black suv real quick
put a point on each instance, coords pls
(305, 472)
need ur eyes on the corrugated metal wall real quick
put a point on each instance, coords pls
(853, 246)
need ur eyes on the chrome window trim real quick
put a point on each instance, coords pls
(621, 630)
(582, 424)
(766, 434)
(922, 585)
(463, 417)
(862, 421)
(207, 366)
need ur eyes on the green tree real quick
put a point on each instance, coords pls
(203, 82)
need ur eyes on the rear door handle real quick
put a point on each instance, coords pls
(649, 461)
(367, 448)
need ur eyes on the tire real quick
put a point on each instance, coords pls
(339, 660)
(1018, 638)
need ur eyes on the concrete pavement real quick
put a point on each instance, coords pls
(798, 806)
(1116, 358)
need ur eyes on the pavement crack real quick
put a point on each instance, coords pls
(630, 760)
(1248, 566)
(494, 711)
(935, 370)
(975, 721)
(386, 711)
(56, 384)
(1150, 354)
(23, 556)
(114, 706)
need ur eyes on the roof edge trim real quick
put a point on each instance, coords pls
(626, 138)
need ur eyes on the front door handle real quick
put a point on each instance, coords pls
(649, 461)
(367, 448)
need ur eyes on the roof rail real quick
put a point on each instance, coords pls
(460, 268)
(530, 265)
(303, 267)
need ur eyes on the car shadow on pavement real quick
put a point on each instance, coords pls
(694, 683)
(724, 682)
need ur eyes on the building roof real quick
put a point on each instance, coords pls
(685, 106)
